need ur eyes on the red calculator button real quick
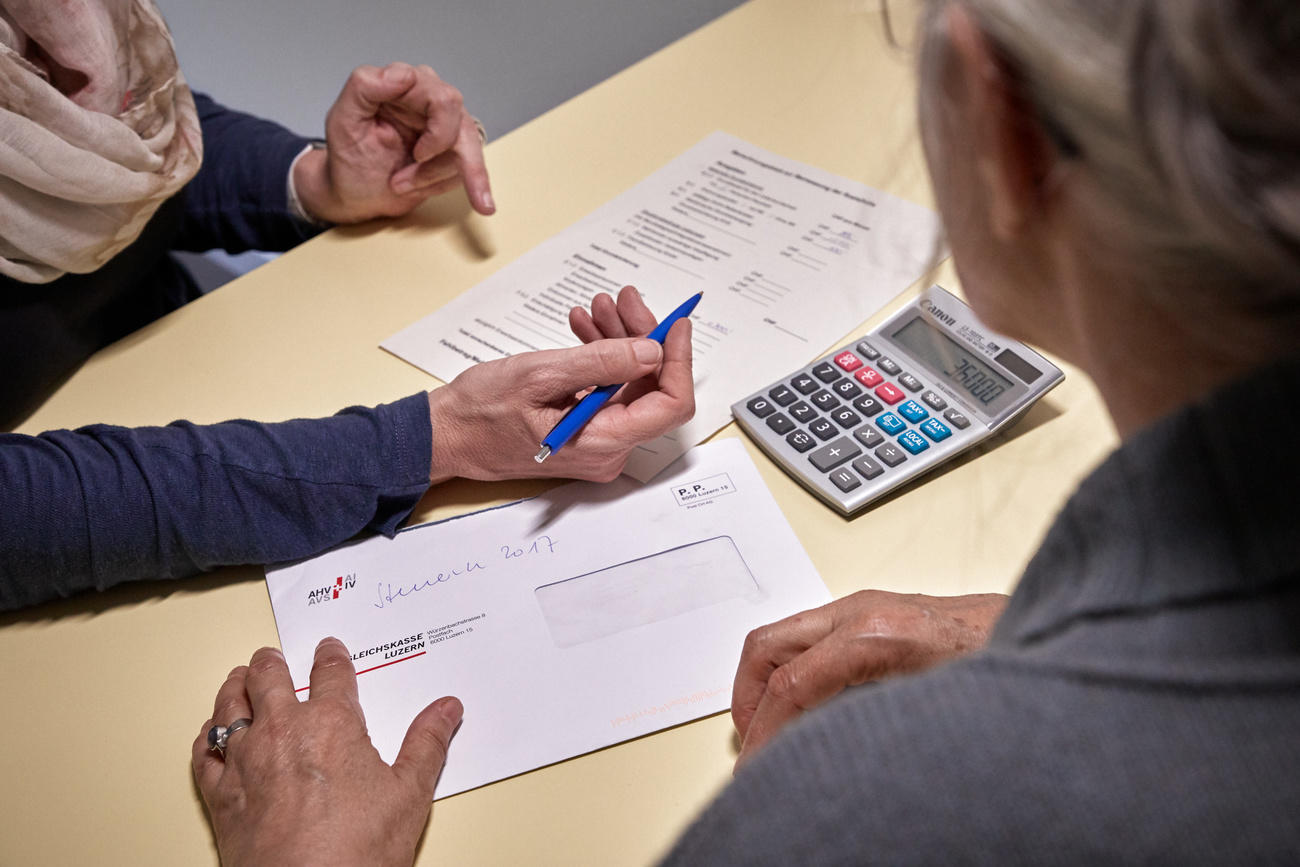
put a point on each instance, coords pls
(848, 361)
(890, 393)
(868, 377)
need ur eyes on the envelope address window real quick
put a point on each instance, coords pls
(646, 590)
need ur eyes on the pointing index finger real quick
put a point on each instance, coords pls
(473, 166)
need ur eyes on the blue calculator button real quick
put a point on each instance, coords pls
(936, 430)
(890, 423)
(913, 411)
(913, 442)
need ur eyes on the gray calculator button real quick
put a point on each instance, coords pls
(801, 441)
(868, 405)
(826, 372)
(830, 456)
(824, 429)
(805, 384)
(956, 419)
(888, 365)
(780, 424)
(824, 400)
(844, 480)
(933, 400)
(761, 407)
(847, 389)
(891, 455)
(867, 351)
(802, 412)
(868, 436)
(867, 467)
(911, 383)
(782, 396)
(845, 417)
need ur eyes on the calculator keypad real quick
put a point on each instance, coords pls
(880, 411)
(855, 417)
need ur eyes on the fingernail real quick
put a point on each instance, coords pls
(403, 186)
(451, 710)
(487, 201)
(329, 639)
(647, 351)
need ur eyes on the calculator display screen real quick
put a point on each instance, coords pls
(954, 362)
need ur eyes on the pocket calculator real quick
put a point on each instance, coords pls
(872, 416)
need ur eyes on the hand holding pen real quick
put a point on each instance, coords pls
(576, 419)
(487, 423)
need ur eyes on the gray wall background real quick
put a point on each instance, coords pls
(512, 59)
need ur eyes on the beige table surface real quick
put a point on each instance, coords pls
(103, 694)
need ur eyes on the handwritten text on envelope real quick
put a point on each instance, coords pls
(595, 613)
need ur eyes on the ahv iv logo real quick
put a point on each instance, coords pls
(330, 592)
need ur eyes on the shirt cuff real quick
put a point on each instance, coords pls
(291, 188)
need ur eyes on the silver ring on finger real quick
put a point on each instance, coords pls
(219, 736)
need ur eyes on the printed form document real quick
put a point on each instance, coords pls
(587, 616)
(790, 259)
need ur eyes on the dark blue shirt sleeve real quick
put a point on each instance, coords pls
(239, 199)
(102, 505)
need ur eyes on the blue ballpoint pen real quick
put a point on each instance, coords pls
(575, 418)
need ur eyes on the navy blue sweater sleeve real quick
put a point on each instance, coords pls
(102, 505)
(239, 199)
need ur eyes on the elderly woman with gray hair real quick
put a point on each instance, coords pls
(1127, 195)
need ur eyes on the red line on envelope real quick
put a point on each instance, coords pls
(373, 667)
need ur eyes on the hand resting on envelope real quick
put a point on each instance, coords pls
(489, 421)
(302, 784)
(798, 663)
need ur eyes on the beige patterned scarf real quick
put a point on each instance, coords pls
(97, 130)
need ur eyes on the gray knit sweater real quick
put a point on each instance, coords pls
(1139, 702)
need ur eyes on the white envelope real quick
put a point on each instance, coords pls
(587, 616)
